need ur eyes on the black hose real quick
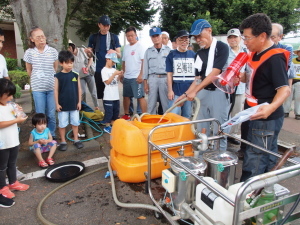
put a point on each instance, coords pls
(291, 210)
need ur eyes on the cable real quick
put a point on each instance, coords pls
(89, 122)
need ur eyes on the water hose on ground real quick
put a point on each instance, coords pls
(131, 205)
(39, 208)
(125, 205)
(89, 122)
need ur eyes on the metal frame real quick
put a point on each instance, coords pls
(248, 186)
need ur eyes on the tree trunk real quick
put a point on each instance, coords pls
(49, 15)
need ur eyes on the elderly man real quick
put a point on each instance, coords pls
(266, 81)
(234, 41)
(210, 60)
(154, 71)
(277, 34)
(100, 44)
(180, 71)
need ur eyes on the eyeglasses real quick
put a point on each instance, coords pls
(248, 38)
(40, 37)
(183, 40)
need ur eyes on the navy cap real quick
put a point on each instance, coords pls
(198, 26)
(182, 33)
(154, 31)
(104, 20)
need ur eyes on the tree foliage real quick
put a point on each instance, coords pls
(225, 14)
(53, 16)
(123, 13)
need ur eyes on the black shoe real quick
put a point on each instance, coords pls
(62, 147)
(297, 117)
(233, 141)
(286, 115)
(240, 154)
(78, 144)
(6, 202)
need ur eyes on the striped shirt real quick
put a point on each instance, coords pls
(42, 75)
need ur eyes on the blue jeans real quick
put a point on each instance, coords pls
(44, 103)
(264, 134)
(185, 110)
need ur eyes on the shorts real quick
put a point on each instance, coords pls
(131, 88)
(43, 148)
(65, 116)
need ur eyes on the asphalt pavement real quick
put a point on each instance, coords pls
(89, 200)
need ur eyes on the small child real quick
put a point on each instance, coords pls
(111, 99)
(9, 144)
(41, 140)
(67, 94)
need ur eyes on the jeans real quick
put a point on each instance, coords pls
(8, 161)
(264, 134)
(44, 103)
(185, 110)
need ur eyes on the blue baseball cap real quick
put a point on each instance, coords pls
(112, 56)
(104, 20)
(198, 26)
(155, 31)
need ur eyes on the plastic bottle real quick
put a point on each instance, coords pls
(17, 110)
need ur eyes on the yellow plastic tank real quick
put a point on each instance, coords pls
(129, 141)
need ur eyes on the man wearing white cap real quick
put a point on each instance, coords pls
(166, 39)
(210, 60)
(154, 71)
(234, 41)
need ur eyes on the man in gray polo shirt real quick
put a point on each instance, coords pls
(154, 72)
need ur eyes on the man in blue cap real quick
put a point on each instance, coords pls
(181, 73)
(209, 62)
(100, 44)
(154, 72)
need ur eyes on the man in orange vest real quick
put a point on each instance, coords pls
(266, 81)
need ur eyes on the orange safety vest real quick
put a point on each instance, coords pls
(252, 68)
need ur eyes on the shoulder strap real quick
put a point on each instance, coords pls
(113, 41)
(95, 41)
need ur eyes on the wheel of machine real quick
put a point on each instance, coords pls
(65, 171)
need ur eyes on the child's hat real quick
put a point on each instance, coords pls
(112, 56)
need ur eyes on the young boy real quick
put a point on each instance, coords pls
(67, 94)
(111, 99)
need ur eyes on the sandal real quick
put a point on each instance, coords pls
(50, 161)
(43, 164)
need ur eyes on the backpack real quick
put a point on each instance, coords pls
(96, 41)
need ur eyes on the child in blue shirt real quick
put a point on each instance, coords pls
(67, 93)
(41, 140)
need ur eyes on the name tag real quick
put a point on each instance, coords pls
(184, 67)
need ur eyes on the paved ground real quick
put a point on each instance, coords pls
(89, 200)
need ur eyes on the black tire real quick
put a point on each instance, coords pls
(65, 171)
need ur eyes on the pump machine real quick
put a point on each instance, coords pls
(201, 188)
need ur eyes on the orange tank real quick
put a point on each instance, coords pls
(129, 141)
